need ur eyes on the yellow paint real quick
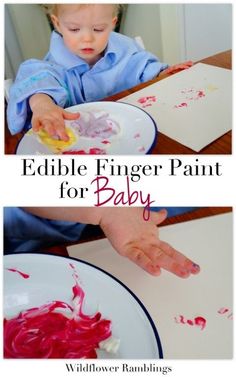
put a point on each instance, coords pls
(211, 88)
(55, 145)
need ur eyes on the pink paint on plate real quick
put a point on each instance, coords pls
(94, 150)
(56, 330)
(141, 149)
(22, 274)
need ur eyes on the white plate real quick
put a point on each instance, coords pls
(138, 132)
(51, 279)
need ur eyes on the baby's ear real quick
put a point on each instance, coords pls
(55, 22)
(114, 21)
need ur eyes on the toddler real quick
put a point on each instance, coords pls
(87, 61)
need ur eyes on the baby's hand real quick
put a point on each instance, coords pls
(138, 240)
(49, 116)
(177, 68)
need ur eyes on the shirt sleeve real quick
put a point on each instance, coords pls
(146, 67)
(34, 76)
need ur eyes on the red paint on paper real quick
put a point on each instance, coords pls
(183, 104)
(200, 94)
(197, 321)
(223, 310)
(190, 94)
(147, 101)
(200, 321)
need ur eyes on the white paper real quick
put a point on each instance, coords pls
(208, 242)
(193, 107)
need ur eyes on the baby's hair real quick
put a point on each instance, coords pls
(53, 8)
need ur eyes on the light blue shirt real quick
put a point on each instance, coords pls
(24, 232)
(69, 80)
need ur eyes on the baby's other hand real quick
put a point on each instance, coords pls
(138, 240)
(178, 67)
(49, 116)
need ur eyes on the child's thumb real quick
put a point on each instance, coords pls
(158, 217)
(70, 116)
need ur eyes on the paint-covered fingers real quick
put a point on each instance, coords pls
(178, 67)
(54, 127)
(155, 256)
(137, 256)
(36, 125)
(179, 258)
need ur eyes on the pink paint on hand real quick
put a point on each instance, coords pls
(197, 321)
(46, 332)
(22, 274)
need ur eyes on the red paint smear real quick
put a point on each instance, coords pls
(147, 101)
(183, 104)
(25, 276)
(141, 149)
(200, 321)
(136, 136)
(197, 321)
(82, 151)
(105, 142)
(44, 332)
(222, 310)
(190, 322)
(200, 94)
(195, 95)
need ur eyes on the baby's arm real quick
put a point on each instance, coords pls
(129, 234)
(49, 116)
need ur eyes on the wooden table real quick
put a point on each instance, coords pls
(165, 145)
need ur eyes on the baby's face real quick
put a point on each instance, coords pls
(85, 29)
